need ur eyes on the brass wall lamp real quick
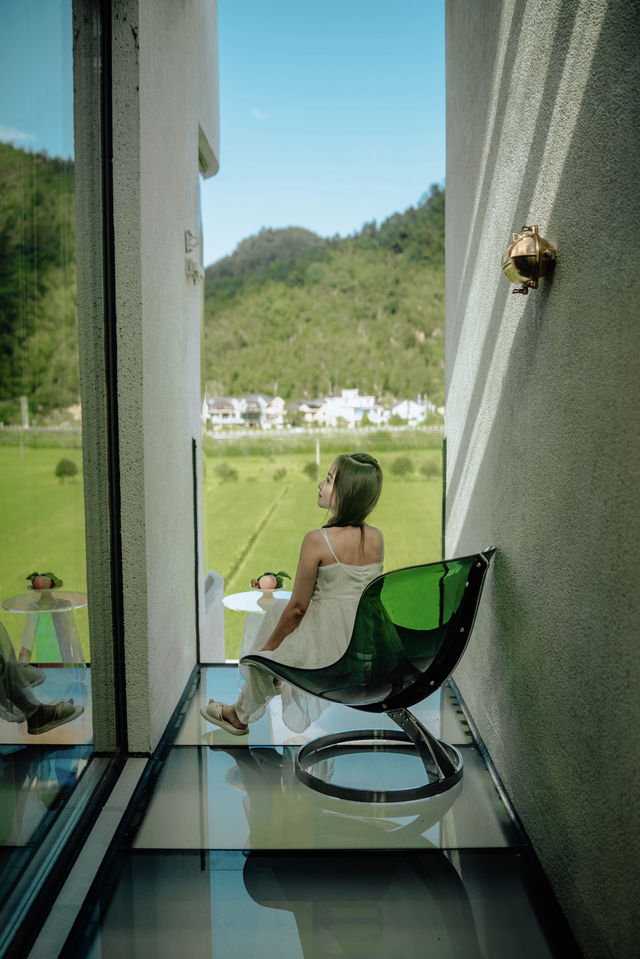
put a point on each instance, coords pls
(528, 258)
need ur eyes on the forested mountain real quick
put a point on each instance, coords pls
(288, 312)
(38, 325)
(263, 249)
(366, 312)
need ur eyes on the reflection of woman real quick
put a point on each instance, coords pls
(17, 701)
(313, 629)
(408, 904)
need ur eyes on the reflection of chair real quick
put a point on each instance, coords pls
(411, 629)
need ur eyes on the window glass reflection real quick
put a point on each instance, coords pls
(43, 614)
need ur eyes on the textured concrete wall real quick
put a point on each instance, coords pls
(91, 331)
(543, 409)
(157, 80)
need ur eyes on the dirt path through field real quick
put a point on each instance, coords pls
(239, 559)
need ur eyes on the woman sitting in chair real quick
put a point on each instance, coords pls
(314, 627)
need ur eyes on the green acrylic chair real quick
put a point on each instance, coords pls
(411, 628)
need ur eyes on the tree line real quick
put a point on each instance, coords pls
(38, 324)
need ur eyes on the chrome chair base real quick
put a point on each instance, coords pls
(442, 762)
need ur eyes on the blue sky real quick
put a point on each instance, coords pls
(332, 113)
(36, 79)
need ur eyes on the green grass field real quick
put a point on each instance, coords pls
(42, 528)
(251, 524)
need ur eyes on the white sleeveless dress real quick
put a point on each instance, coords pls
(321, 638)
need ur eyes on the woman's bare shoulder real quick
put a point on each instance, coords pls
(314, 534)
(375, 541)
(313, 539)
(374, 532)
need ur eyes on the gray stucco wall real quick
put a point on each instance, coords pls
(91, 331)
(162, 76)
(543, 410)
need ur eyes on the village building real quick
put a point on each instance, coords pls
(348, 408)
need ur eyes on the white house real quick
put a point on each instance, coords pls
(254, 409)
(310, 409)
(223, 411)
(349, 406)
(274, 414)
(413, 411)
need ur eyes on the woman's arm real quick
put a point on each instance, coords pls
(303, 586)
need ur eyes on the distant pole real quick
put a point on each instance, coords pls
(24, 409)
(317, 456)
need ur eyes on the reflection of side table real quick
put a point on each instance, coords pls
(57, 607)
(253, 603)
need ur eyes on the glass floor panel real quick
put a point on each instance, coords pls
(475, 905)
(35, 782)
(227, 854)
(38, 774)
(249, 798)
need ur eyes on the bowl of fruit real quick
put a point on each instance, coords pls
(268, 583)
(43, 584)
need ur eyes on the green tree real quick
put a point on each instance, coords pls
(65, 470)
(38, 326)
(315, 273)
(295, 418)
(226, 473)
(430, 470)
(402, 466)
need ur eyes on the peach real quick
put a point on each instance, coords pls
(268, 581)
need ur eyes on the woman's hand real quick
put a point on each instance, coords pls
(311, 553)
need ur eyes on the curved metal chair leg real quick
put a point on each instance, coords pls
(442, 762)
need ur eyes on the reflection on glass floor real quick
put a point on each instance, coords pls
(249, 798)
(35, 782)
(231, 856)
(475, 905)
(38, 773)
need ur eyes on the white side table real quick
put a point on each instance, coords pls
(253, 603)
(60, 606)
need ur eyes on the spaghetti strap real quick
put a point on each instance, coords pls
(326, 539)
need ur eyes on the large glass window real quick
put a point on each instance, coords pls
(46, 727)
(43, 611)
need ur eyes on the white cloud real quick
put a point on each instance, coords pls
(11, 135)
(259, 115)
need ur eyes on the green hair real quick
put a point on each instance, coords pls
(357, 484)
